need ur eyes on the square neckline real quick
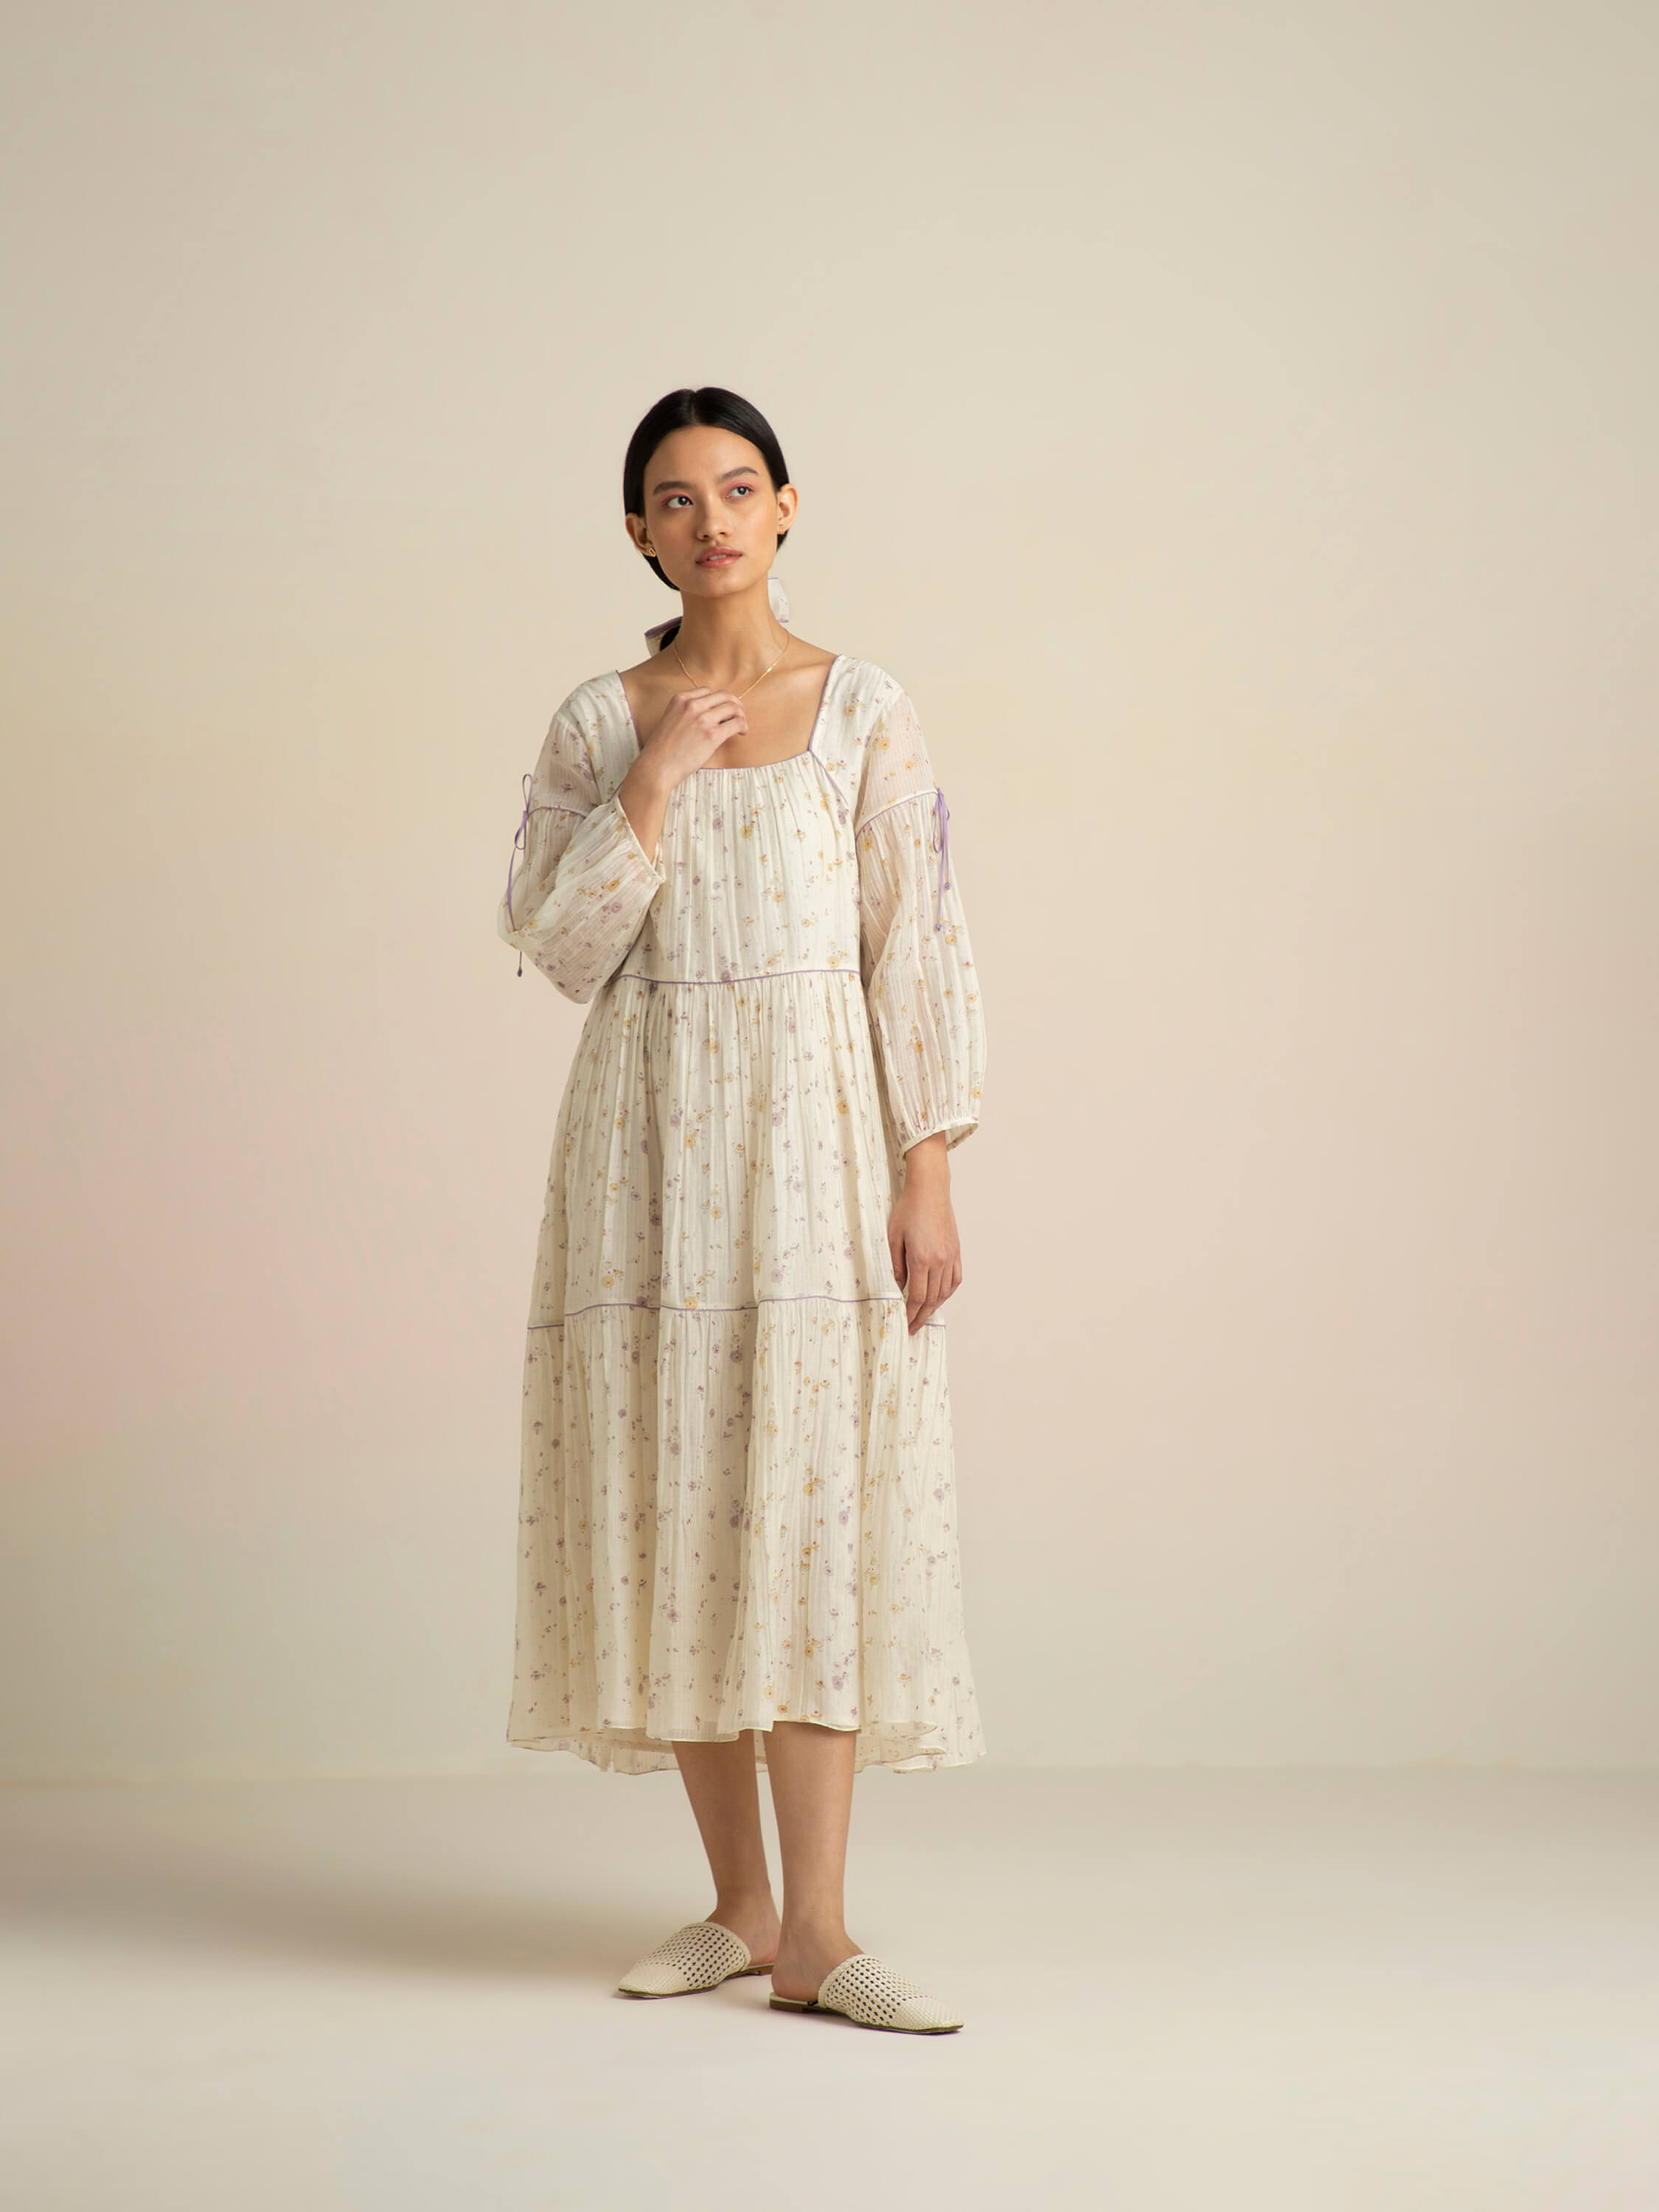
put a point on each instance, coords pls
(744, 768)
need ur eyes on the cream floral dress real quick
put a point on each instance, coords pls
(737, 1493)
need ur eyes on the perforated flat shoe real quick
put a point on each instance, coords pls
(699, 1956)
(871, 1994)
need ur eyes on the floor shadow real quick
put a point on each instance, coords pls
(214, 1895)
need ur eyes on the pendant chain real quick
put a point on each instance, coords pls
(761, 678)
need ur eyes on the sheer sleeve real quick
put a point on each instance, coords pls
(579, 882)
(919, 982)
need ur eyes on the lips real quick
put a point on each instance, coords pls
(720, 560)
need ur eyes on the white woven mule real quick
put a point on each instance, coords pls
(871, 1994)
(699, 1956)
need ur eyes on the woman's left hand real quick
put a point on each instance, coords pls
(921, 1233)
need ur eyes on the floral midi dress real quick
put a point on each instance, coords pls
(737, 1500)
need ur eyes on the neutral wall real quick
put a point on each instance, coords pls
(1234, 425)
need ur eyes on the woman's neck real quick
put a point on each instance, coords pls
(725, 641)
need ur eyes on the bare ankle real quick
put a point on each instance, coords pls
(814, 1935)
(745, 1905)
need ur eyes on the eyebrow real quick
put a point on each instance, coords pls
(678, 483)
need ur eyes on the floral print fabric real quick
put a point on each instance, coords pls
(737, 1488)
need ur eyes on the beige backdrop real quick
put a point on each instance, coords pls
(1235, 425)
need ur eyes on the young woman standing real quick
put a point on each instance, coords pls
(739, 1542)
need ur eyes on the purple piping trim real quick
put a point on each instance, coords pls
(805, 1298)
(939, 839)
(890, 805)
(713, 982)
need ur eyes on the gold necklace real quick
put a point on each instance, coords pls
(761, 678)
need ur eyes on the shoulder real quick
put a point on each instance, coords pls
(866, 707)
(575, 761)
(868, 698)
(590, 701)
(882, 711)
(869, 683)
(585, 717)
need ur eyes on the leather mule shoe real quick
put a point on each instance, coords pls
(699, 1956)
(871, 1994)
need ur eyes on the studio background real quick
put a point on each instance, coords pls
(1234, 425)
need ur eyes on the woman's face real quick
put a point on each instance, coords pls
(711, 516)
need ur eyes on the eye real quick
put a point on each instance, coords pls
(672, 497)
(743, 487)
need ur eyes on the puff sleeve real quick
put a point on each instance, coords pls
(919, 982)
(579, 882)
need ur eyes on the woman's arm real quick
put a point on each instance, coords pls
(581, 881)
(921, 1233)
(923, 992)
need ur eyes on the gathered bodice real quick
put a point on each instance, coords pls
(830, 863)
(761, 879)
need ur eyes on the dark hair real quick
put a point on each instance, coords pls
(677, 410)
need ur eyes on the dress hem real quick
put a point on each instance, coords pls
(633, 1751)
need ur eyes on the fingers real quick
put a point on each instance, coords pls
(895, 1254)
(927, 1287)
(719, 714)
(923, 1296)
(708, 707)
(925, 1257)
(911, 1275)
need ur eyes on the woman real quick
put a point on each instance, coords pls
(738, 1534)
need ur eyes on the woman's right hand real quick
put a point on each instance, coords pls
(693, 725)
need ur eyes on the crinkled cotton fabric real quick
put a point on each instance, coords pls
(737, 1495)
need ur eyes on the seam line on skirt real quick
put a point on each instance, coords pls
(805, 1298)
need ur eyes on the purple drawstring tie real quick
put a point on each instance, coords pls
(520, 844)
(941, 845)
